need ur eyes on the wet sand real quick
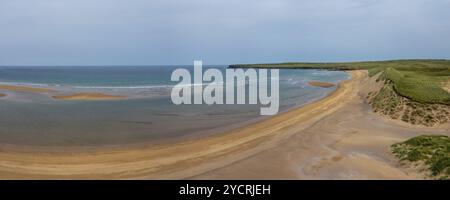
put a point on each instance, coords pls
(76, 96)
(88, 96)
(15, 88)
(337, 137)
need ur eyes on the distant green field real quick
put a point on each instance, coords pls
(406, 64)
(419, 80)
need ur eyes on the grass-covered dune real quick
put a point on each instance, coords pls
(423, 81)
(421, 85)
(431, 150)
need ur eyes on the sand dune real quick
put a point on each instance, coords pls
(88, 96)
(334, 138)
(24, 89)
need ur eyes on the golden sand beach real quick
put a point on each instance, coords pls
(337, 137)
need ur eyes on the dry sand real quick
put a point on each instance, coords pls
(2, 95)
(88, 96)
(334, 138)
(321, 84)
(16, 88)
(446, 86)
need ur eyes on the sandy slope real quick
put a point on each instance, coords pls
(334, 138)
(446, 86)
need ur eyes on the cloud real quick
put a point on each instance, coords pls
(98, 32)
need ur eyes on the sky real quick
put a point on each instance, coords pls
(156, 32)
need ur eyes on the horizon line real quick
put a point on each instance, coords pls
(281, 62)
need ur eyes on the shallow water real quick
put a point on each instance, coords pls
(36, 119)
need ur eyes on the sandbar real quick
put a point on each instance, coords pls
(88, 96)
(321, 84)
(17, 88)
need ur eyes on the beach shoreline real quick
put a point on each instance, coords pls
(337, 137)
(174, 160)
(63, 95)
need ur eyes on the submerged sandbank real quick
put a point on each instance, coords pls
(17, 88)
(321, 84)
(88, 96)
(76, 96)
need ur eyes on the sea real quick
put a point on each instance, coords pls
(148, 116)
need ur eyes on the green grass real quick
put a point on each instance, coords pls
(419, 86)
(374, 71)
(386, 101)
(434, 151)
(418, 80)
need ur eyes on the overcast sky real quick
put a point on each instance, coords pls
(118, 32)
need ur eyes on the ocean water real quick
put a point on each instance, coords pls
(148, 116)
